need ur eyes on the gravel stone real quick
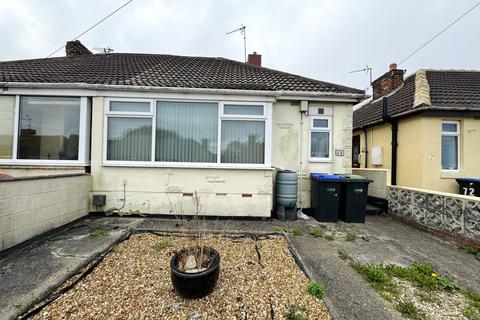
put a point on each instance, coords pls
(133, 282)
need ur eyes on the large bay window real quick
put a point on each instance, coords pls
(43, 130)
(450, 145)
(184, 133)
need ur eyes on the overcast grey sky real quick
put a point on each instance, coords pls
(323, 39)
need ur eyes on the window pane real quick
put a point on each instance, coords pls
(129, 106)
(186, 132)
(248, 110)
(129, 139)
(7, 120)
(449, 152)
(449, 127)
(320, 123)
(243, 141)
(320, 145)
(49, 128)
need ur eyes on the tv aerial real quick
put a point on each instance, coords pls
(243, 32)
(106, 50)
(366, 69)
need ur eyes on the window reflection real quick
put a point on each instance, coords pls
(49, 128)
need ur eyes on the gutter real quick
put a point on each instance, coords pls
(276, 94)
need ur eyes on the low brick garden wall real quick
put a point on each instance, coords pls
(444, 214)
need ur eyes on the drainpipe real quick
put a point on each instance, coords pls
(303, 110)
(394, 127)
(366, 147)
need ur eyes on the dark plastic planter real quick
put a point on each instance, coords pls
(199, 284)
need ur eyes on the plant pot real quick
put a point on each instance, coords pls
(198, 284)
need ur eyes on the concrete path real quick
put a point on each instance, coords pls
(29, 273)
(32, 271)
(392, 242)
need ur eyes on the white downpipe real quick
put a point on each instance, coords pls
(303, 109)
(300, 173)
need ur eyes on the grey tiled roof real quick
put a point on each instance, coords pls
(456, 89)
(161, 71)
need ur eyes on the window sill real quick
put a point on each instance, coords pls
(320, 160)
(187, 166)
(43, 163)
(451, 174)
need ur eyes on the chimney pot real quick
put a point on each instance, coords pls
(255, 59)
(393, 66)
(76, 48)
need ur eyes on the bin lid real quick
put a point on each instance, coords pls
(468, 179)
(353, 178)
(325, 177)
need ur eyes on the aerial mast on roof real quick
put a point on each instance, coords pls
(243, 32)
(106, 50)
(366, 69)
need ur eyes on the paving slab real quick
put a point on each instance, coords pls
(35, 269)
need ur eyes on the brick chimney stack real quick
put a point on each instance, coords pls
(255, 59)
(388, 82)
(76, 48)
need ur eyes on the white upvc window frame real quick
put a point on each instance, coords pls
(450, 134)
(328, 129)
(83, 139)
(127, 114)
(266, 118)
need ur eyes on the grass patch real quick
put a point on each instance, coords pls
(322, 226)
(316, 289)
(351, 236)
(98, 233)
(316, 232)
(296, 313)
(409, 310)
(18, 305)
(162, 245)
(422, 276)
(472, 311)
(279, 229)
(342, 254)
(376, 276)
(296, 232)
(472, 250)
(329, 237)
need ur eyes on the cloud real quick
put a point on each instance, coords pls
(319, 39)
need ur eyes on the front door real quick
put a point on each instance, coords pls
(356, 152)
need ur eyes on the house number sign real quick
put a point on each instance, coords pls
(339, 152)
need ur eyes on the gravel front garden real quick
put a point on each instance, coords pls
(259, 279)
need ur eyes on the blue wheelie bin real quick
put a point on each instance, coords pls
(325, 196)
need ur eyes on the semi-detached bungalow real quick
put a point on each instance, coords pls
(154, 129)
